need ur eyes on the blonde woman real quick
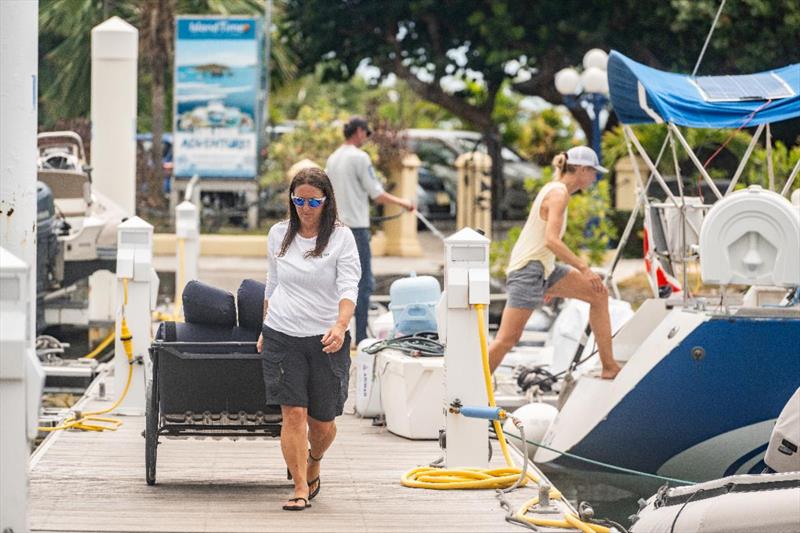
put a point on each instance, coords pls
(533, 273)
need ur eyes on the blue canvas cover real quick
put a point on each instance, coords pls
(676, 98)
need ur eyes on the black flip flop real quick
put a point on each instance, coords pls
(305, 506)
(316, 490)
(315, 480)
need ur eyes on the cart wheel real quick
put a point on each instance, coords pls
(150, 434)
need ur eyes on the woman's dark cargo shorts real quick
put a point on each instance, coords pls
(298, 373)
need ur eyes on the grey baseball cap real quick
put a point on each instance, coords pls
(586, 157)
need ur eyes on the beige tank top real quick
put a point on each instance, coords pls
(530, 245)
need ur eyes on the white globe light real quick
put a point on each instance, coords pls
(595, 58)
(595, 80)
(567, 80)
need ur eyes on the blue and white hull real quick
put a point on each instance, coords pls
(696, 400)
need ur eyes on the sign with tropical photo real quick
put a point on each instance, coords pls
(217, 89)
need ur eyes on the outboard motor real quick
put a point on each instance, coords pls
(48, 270)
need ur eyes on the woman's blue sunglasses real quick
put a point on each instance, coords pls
(312, 202)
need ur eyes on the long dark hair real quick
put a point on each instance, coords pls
(315, 177)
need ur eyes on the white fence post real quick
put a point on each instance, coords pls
(115, 49)
(187, 239)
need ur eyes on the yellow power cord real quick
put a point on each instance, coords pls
(89, 421)
(100, 347)
(498, 478)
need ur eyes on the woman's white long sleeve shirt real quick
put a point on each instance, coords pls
(304, 292)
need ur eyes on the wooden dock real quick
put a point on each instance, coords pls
(86, 481)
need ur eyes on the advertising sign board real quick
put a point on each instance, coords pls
(217, 89)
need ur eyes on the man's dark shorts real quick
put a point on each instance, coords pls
(526, 286)
(298, 373)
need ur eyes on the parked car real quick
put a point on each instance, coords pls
(439, 149)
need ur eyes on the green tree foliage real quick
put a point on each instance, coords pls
(316, 135)
(546, 134)
(395, 106)
(422, 43)
(783, 161)
(487, 44)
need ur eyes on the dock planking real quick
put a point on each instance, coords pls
(86, 481)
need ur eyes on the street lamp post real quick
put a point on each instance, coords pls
(587, 89)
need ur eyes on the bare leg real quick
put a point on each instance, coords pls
(294, 445)
(511, 327)
(320, 437)
(574, 285)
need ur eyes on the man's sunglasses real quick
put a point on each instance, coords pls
(312, 202)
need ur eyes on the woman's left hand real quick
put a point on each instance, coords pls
(333, 339)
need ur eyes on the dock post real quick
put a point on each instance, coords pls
(466, 280)
(137, 289)
(20, 388)
(115, 49)
(401, 233)
(187, 233)
(474, 196)
(21, 383)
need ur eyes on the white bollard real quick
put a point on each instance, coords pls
(134, 269)
(19, 33)
(187, 239)
(466, 280)
(114, 56)
(18, 124)
(21, 383)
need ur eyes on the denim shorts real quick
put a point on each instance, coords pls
(526, 286)
(298, 373)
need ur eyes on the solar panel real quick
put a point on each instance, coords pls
(763, 86)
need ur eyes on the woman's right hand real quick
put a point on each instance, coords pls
(594, 280)
(260, 343)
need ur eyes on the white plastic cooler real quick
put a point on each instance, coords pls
(412, 394)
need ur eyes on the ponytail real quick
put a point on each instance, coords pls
(561, 167)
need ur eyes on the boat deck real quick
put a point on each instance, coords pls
(87, 481)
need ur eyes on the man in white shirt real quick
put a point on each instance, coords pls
(355, 184)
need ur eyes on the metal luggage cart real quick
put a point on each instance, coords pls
(205, 389)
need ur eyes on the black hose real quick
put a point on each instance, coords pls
(422, 344)
(607, 523)
(384, 218)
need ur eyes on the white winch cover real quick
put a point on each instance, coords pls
(751, 237)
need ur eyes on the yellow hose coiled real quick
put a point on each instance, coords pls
(498, 478)
(471, 478)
